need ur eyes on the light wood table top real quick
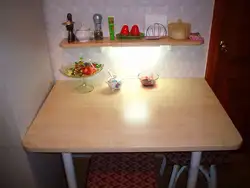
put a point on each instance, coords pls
(178, 115)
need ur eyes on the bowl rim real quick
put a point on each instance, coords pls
(157, 75)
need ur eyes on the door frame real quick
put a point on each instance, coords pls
(214, 47)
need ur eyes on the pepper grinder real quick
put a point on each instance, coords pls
(69, 24)
(98, 27)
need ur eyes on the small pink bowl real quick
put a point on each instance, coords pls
(148, 79)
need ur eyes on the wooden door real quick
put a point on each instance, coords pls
(228, 66)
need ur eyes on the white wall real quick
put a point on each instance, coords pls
(180, 62)
(25, 79)
(14, 166)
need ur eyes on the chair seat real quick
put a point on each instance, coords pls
(122, 171)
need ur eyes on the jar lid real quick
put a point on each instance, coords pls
(84, 28)
(178, 24)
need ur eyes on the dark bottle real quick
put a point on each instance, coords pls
(70, 28)
(98, 34)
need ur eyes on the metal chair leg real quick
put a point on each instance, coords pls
(177, 171)
(210, 176)
(205, 173)
(173, 176)
(180, 172)
(163, 163)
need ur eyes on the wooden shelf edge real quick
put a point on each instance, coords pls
(140, 42)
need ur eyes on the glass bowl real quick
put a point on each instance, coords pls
(83, 87)
(148, 79)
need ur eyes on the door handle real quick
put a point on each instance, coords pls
(223, 46)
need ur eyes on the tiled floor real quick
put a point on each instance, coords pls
(233, 175)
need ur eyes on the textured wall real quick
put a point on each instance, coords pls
(179, 62)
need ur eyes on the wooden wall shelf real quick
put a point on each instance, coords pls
(126, 42)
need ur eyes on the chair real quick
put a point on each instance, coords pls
(126, 170)
(181, 160)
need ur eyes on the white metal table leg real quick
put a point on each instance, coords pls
(69, 170)
(213, 177)
(194, 169)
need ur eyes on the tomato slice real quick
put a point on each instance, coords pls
(85, 70)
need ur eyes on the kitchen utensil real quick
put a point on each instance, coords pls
(148, 79)
(111, 20)
(196, 37)
(156, 30)
(69, 24)
(98, 27)
(84, 34)
(119, 36)
(113, 82)
(124, 30)
(179, 30)
(135, 31)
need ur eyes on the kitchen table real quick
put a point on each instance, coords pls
(176, 115)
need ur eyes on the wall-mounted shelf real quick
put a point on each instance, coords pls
(126, 42)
